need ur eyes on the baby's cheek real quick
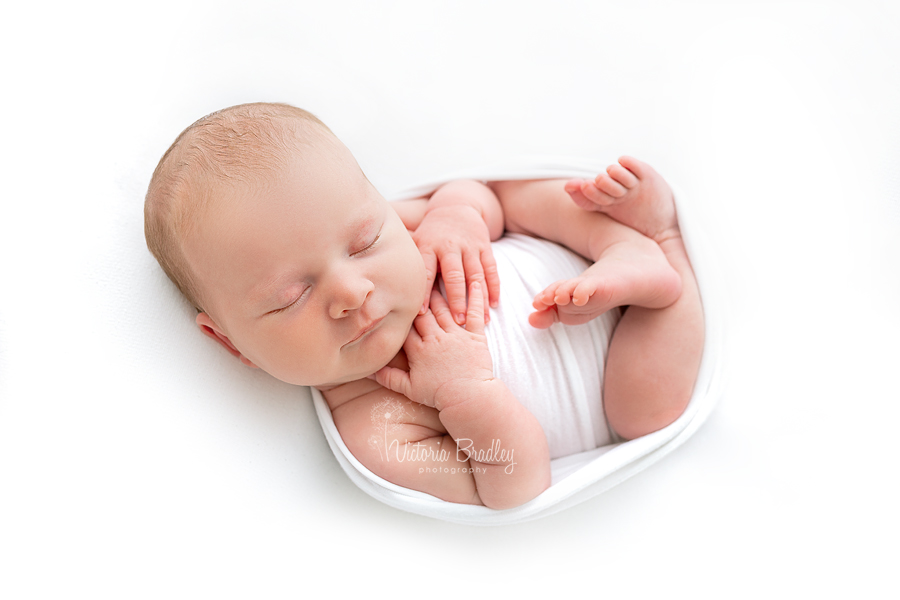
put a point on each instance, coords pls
(415, 266)
(289, 358)
(391, 342)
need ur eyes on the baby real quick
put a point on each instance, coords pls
(298, 266)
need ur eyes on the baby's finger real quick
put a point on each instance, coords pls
(424, 325)
(430, 274)
(441, 312)
(475, 313)
(395, 379)
(455, 282)
(475, 272)
(491, 277)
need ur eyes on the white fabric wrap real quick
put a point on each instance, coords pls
(580, 476)
(556, 373)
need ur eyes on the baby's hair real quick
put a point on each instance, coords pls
(229, 147)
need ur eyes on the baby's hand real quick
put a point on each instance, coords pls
(440, 352)
(457, 239)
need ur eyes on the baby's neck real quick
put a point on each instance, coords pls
(399, 361)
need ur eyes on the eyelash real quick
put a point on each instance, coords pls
(369, 247)
(284, 308)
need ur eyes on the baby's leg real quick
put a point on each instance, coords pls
(654, 354)
(654, 357)
(640, 400)
(628, 268)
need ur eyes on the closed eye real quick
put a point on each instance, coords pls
(365, 250)
(292, 303)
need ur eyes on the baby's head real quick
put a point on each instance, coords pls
(296, 264)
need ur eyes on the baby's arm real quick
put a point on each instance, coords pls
(453, 229)
(450, 373)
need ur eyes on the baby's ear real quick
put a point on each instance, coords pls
(209, 328)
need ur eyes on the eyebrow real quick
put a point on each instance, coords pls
(266, 294)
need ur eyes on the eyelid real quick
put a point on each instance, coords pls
(370, 246)
(290, 304)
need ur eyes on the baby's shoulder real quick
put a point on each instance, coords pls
(372, 419)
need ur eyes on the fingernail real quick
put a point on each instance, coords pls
(460, 318)
(372, 376)
(422, 310)
(494, 304)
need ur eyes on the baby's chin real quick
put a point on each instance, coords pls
(380, 357)
(387, 352)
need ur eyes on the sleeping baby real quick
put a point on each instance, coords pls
(439, 379)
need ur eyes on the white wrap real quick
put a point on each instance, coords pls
(579, 476)
(556, 373)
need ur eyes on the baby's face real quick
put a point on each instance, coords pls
(312, 277)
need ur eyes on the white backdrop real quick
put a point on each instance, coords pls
(139, 460)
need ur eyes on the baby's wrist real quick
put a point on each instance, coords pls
(450, 208)
(474, 194)
(458, 193)
(456, 392)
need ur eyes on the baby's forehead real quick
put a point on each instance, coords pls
(346, 202)
(245, 171)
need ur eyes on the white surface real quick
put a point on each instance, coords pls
(136, 460)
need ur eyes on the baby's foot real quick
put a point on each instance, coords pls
(628, 273)
(632, 193)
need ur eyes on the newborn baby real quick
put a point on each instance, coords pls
(298, 266)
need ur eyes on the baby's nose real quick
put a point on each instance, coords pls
(350, 294)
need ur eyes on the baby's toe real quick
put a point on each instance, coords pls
(607, 185)
(622, 176)
(544, 318)
(573, 185)
(561, 299)
(539, 303)
(573, 188)
(582, 293)
(590, 191)
(564, 292)
(640, 169)
(546, 297)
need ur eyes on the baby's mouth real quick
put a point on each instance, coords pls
(365, 330)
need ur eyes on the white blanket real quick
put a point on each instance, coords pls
(580, 476)
(555, 373)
